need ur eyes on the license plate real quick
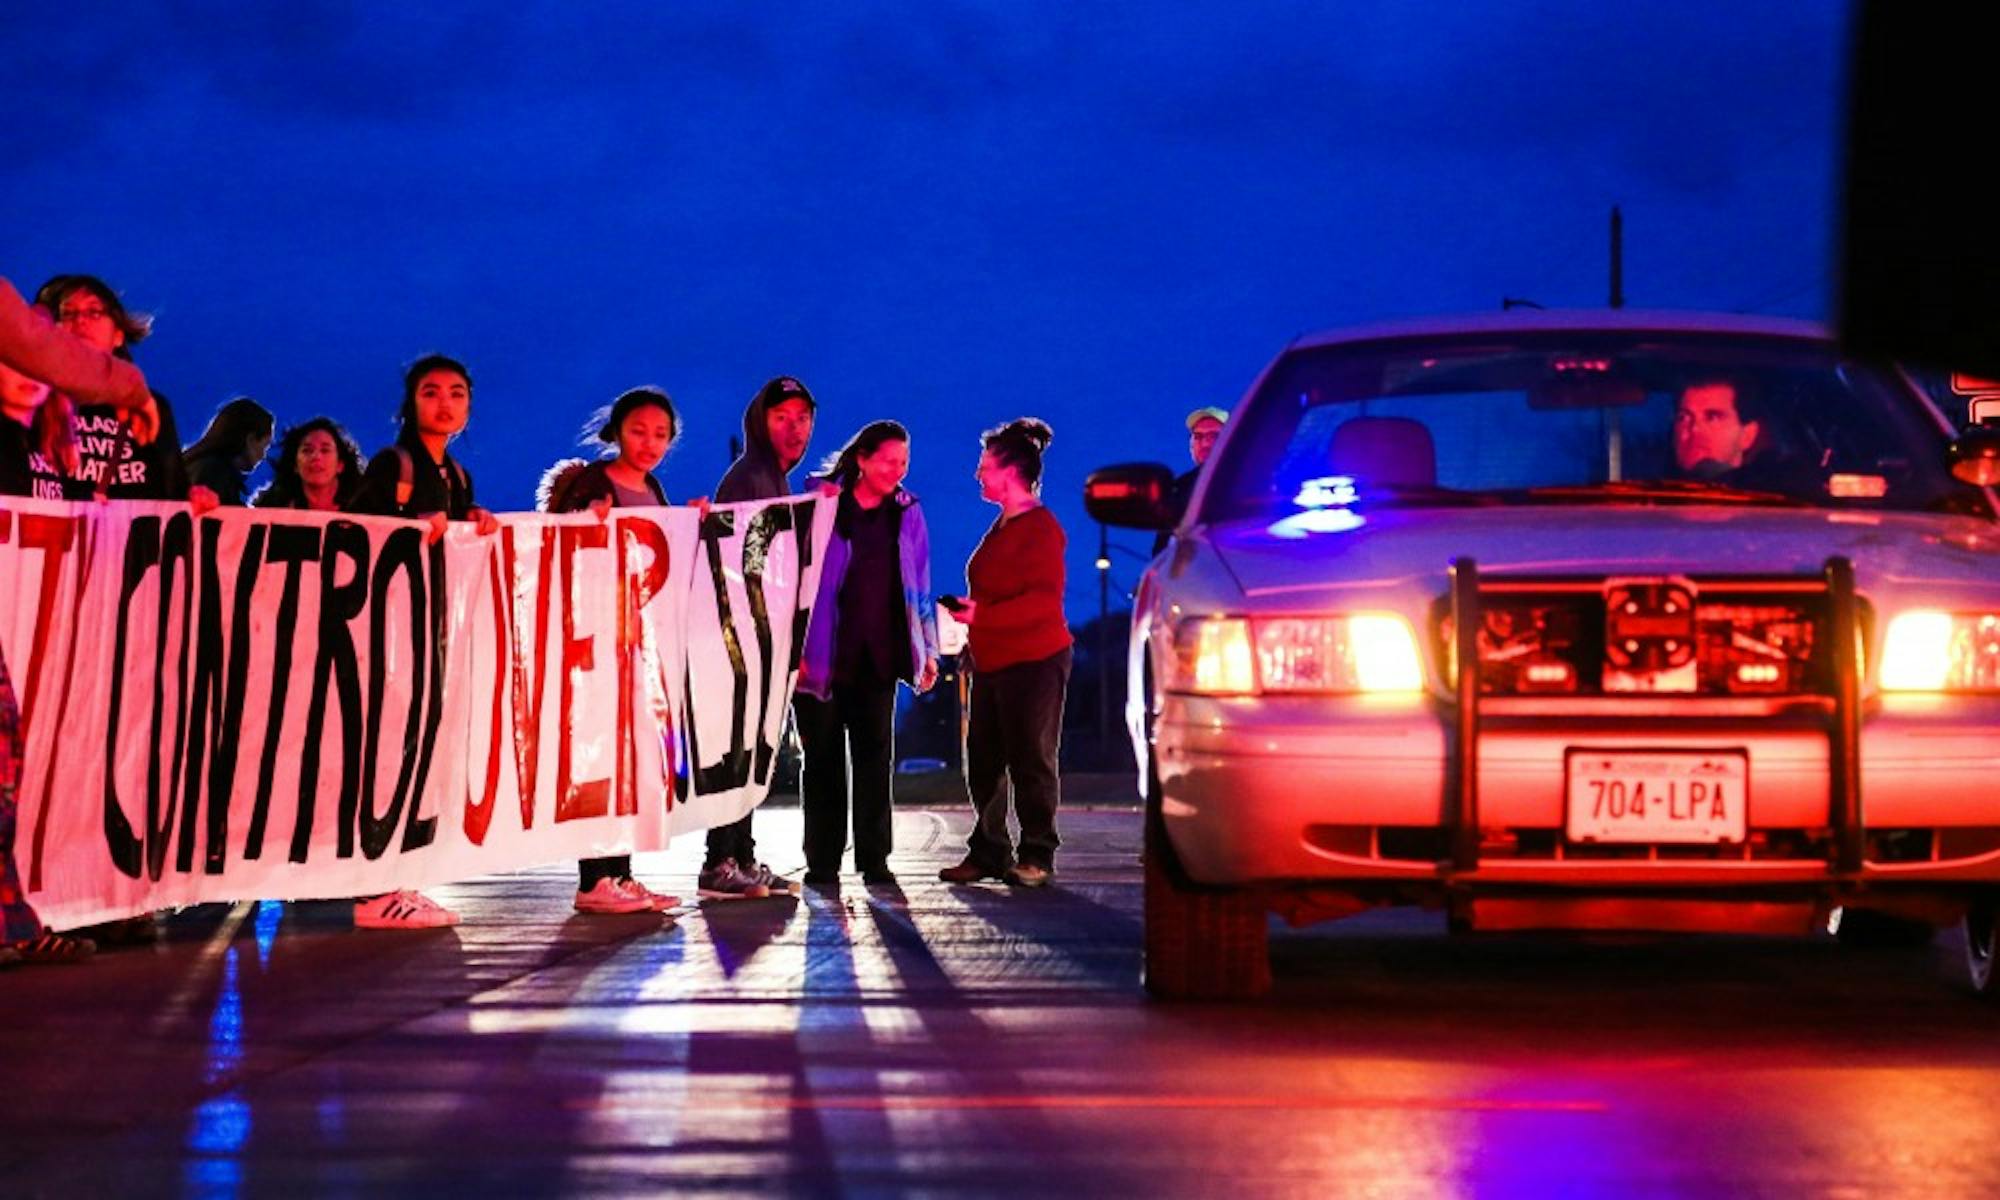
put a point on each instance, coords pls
(1657, 795)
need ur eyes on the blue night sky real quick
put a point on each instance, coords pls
(951, 214)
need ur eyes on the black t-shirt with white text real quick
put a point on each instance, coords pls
(112, 462)
(26, 471)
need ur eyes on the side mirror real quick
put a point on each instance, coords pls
(1974, 457)
(1132, 496)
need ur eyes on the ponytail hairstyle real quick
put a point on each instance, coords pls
(235, 425)
(843, 467)
(1019, 444)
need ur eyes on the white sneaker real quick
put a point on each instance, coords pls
(614, 896)
(402, 910)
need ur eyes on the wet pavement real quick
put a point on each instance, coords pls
(977, 1041)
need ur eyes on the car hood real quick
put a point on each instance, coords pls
(1398, 549)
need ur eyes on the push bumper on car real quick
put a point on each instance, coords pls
(1418, 795)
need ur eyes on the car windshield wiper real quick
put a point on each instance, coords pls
(1691, 490)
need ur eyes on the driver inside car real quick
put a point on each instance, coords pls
(1722, 435)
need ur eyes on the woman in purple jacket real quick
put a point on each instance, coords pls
(874, 624)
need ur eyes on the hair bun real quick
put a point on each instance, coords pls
(1034, 429)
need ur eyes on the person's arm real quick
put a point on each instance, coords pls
(39, 348)
(920, 586)
(1038, 576)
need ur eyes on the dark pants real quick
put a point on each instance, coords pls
(590, 870)
(1014, 734)
(857, 723)
(732, 841)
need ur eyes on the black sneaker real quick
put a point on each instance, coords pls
(821, 879)
(969, 872)
(878, 877)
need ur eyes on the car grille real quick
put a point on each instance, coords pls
(1605, 637)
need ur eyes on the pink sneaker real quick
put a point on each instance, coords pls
(402, 910)
(613, 896)
(659, 901)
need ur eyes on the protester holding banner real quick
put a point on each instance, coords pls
(222, 458)
(1019, 644)
(642, 426)
(23, 938)
(777, 425)
(27, 468)
(873, 624)
(417, 478)
(317, 468)
(114, 456)
(32, 353)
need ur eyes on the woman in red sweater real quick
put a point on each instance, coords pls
(1020, 646)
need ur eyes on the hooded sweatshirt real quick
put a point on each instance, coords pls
(757, 474)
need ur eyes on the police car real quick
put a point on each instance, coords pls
(1600, 621)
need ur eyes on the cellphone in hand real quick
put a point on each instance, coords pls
(954, 603)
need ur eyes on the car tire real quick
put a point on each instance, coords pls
(1866, 929)
(1982, 921)
(1201, 943)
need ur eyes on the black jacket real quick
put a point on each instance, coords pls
(434, 487)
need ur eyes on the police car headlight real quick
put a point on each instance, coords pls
(1212, 657)
(1929, 651)
(1360, 652)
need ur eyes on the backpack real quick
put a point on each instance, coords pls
(406, 475)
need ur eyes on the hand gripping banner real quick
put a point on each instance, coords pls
(265, 704)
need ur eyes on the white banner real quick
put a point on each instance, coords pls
(272, 704)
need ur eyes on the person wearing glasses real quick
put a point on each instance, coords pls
(109, 457)
(34, 354)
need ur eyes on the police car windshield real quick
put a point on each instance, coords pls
(1566, 419)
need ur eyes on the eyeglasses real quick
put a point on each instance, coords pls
(72, 315)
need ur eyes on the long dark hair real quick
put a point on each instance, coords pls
(285, 482)
(1019, 444)
(843, 467)
(135, 326)
(231, 430)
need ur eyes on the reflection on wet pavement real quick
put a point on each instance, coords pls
(928, 1038)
